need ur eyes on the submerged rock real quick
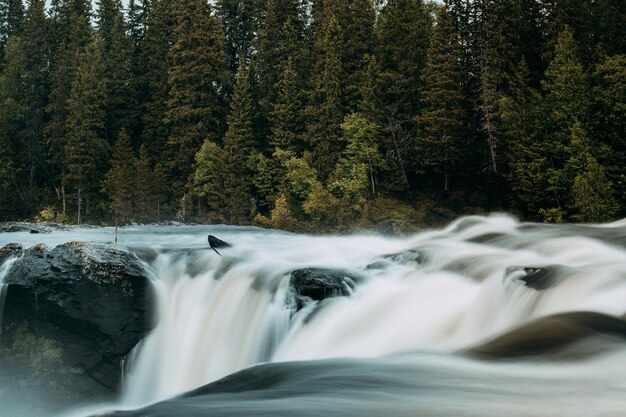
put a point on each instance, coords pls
(554, 334)
(410, 257)
(71, 315)
(537, 278)
(320, 283)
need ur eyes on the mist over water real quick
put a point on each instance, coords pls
(404, 343)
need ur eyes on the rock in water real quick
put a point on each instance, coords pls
(72, 314)
(320, 283)
(216, 244)
(537, 278)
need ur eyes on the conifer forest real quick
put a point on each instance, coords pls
(312, 114)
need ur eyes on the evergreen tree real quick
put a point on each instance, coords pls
(359, 42)
(116, 56)
(609, 117)
(11, 16)
(520, 112)
(287, 116)
(138, 12)
(12, 128)
(158, 39)
(325, 112)
(86, 148)
(146, 188)
(363, 153)
(206, 175)
(280, 38)
(120, 181)
(240, 21)
(592, 193)
(71, 32)
(235, 199)
(440, 142)
(196, 75)
(403, 32)
(566, 102)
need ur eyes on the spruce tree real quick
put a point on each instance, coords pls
(440, 140)
(12, 127)
(234, 177)
(593, 199)
(287, 116)
(196, 76)
(138, 11)
(70, 33)
(116, 56)
(325, 112)
(566, 102)
(121, 179)
(359, 42)
(158, 38)
(11, 16)
(86, 148)
(403, 31)
(146, 188)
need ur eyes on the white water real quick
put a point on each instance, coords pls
(211, 326)
(4, 270)
(217, 315)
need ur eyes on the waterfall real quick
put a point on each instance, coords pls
(439, 291)
(4, 270)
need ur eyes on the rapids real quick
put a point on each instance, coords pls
(397, 345)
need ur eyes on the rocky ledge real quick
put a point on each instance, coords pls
(71, 315)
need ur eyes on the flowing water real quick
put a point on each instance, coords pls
(402, 343)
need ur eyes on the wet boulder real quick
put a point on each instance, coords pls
(321, 283)
(72, 314)
(537, 278)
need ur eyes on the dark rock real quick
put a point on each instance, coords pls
(410, 257)
(216, 243)
(9, 251)
(320, 283)
(90, 302)
(553, 334)
(537, 278)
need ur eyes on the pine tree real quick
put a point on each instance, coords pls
(12, 127)
(158, 38)
(116, 56)
(325, 112)
(35, 95)
(363, 150)
(608, 118)
(287, 116)
(440, 142)
(121, 179)
(11, 16)
(566, 102)
(280, 38)
(146, 188)
(240, 23)
(86, 148)
(592, 194)
(234, 176)
(403, 31)
(359, 42)
(196, 74)
(139, 82)
(520, 112)
(70, 33)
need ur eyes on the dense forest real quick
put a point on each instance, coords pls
(312, 114)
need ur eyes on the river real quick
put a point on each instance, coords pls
(410, 338)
